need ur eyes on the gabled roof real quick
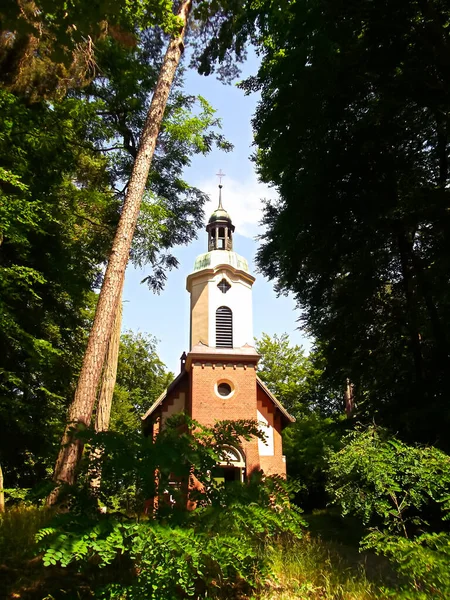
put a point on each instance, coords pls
(163, 396)
(289, 418)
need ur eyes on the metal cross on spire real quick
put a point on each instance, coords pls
(220, 175)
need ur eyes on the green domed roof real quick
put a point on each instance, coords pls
(220, 214)
(215, 258)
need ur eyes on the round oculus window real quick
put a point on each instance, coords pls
(224, 389)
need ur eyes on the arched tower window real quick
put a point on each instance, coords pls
(224, 327)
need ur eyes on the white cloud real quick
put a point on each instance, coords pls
(242, 199)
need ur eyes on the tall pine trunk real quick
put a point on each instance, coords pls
(80, 411)
(103, 414)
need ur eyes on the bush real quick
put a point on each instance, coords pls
(215, 551)
(403, 492)
(221, 548)
(306, 444)
(148, 560)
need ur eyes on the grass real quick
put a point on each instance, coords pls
(311, 569)
(327, 565)
(18, 527)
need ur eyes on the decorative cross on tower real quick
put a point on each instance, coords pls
(224, 286)
(220, 175)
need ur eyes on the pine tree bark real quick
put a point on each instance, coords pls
(80, 411)
(103, 414)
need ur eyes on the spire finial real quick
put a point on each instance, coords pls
(220, 175)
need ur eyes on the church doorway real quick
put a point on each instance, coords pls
(231, 467)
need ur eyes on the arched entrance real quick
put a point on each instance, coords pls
(231, 467)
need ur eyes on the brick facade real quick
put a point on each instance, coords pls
(208, 407)
(195, 392)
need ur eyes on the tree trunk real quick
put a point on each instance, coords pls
(349, 399)
(105, 400)
(2, 493)
(81, 409)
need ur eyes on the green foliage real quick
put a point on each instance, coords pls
(48, 47)
(183, 448)
(377, 476)
(285, 369)
(169, 562)
(219, 37)
(308, 568)
(71, 22)
(217, 550)
(299, 382)
(422, 560)
(357, 144)
(172, 210)
(404, 491)
(306, 444)
(46, 229)
(62, 170)
(141, 377)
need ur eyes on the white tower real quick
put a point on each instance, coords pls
(221, 289)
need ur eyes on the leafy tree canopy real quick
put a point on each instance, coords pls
(402, 491)
(47, 47)
(285, 369)
(297, 380)
(299, 383)
(62, 173)
(353, 130)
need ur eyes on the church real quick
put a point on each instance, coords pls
(218, 378)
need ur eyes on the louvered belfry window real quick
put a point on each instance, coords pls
(224, 327)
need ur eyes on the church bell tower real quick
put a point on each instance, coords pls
(220, 287)
(218, 379)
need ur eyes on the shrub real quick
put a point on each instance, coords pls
(215, 551)
(306, 444)
(403, 492)
(220, 548)
(148, 560)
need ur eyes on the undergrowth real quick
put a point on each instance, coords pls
(243, 540)
(311, 570)
(18, 528)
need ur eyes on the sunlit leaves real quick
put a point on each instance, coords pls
(402, 491)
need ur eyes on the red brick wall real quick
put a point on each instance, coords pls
(208, 407)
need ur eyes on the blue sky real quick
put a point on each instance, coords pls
(167, 316)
